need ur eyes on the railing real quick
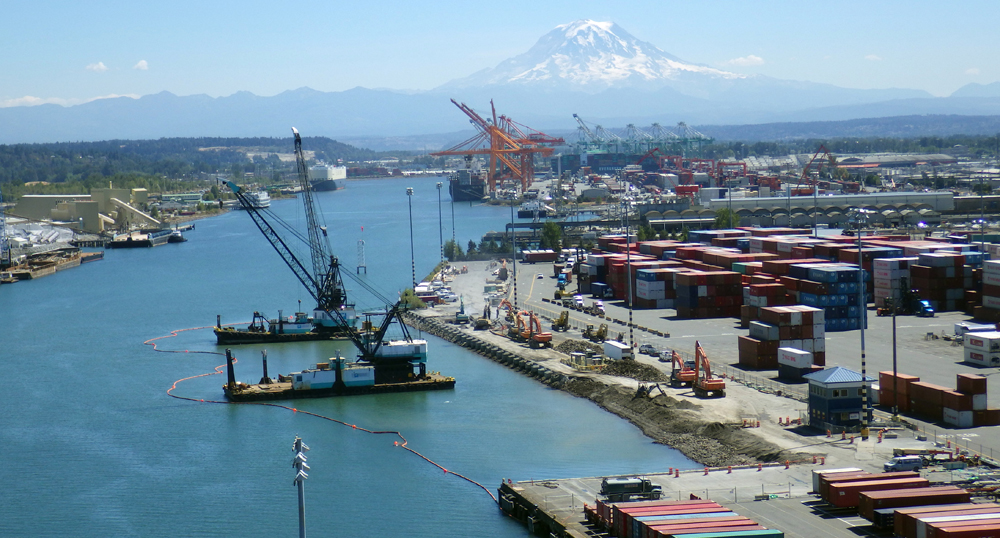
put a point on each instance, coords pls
(762, 384)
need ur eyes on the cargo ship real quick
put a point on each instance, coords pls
(467, 185)
(399, 366)
(298, 328)
(325, 177)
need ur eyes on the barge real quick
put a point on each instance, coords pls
(139, 239)
(297, 328)
(391, 371)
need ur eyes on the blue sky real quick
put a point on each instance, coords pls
(67, 52)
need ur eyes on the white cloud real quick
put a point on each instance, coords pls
(972, 71)
(99, 67)
(29, 100)
(873, 58)
(141, 66)
(747, 60)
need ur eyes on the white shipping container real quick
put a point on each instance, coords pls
(819, 345)
(645, 285)
(819, 330)
(979, 402)
(651, 295)
(984, 341)
(992, 267)
(796, 318)
(763, 331)
(992, 279)
(981, 358)
(962, 419)
(819, 316)
(967, 327)
(807, 344)
(990, 301)
(794, 357)
(891, 274)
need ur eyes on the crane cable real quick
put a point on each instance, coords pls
(218, 371)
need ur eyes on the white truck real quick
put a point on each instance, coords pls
(617, 350)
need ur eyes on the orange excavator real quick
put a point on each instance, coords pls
(682, 373)
(704, 384)
(534, 335)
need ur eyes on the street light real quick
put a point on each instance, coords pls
(513, 253)
(299, 462)
(413, 263)
(440, 222)
(860, 216)
(628, 269)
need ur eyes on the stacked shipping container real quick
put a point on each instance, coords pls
(798, 327)
(661, 519)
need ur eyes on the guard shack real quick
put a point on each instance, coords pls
(835, 398)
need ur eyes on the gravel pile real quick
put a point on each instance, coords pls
(578, 346)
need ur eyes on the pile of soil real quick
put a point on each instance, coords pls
(578, 346)
(635, 370)
(678, 424)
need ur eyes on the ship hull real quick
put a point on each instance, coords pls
(284, 391)
(233, 337)
(325, 185)
(468, 192)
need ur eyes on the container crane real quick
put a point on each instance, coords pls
(324, 282)
(511, 151)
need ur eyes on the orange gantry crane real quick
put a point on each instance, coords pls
(511, 147)
(704, 384)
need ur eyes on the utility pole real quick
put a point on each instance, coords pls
(440, 222)
(299, 463)
(413, 263)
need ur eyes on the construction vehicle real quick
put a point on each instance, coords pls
(562, 322)
(625, 489)
(481, 324)
(908, 304)
(683, 372)
(599, 335)
(516, 329)
(704, 384)
(461, 318)
(534, 335)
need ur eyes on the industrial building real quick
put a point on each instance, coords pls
(92, 213)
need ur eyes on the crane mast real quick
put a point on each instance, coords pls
(326, 268)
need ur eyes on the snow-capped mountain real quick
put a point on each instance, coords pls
(590, 56)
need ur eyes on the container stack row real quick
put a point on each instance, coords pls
(655, 288)
(709, 294)
(964, 407)
(687, 519)
(942, 278)
(797, 327)
(990, 309)
(965, 520)
(891, 275)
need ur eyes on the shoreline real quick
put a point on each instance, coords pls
(682, 425)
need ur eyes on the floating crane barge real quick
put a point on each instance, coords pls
(382, 365)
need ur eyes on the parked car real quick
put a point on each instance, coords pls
(903, 463)
(648, 349)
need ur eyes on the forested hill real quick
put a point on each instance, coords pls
(174, 158)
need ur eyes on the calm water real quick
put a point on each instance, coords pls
(91, 444)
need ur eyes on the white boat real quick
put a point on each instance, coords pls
(531, 208)
(259, 199)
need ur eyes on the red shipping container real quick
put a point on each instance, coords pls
(905, 521)
(700, 530)
(845, 495)
(956, 401)
(622, 512)
(870, 501)
(973, 523)
(646, 528)
(971, 384)
(983, 531)
(629, 519)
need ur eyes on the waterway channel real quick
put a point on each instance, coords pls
(92, 445)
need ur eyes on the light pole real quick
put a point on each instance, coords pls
(513, 253)
(299, 462)
(628, 270)
(860, 215)
(440, 222)
(895, 378)
(413, 263)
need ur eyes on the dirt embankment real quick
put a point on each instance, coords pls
(678, 424)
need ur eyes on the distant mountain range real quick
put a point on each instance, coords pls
(594, 69)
